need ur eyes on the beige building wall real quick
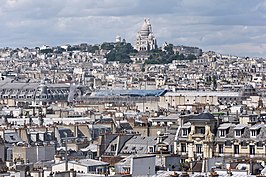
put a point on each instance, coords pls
(181, 100)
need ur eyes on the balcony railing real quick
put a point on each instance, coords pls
(182, 153)
(198, 135)
(185, 154)
(241, 155)
(227, 155)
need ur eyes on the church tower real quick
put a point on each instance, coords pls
(145, 39)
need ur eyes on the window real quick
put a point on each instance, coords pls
(253, 132)
(238, 132)
(236, 149)
(252, 118)
(185, 131)
(222, 133)
(200, 130)
(198, 148)
(252, 149)
(244, 144)
(151, 149)
(183, 147)
(228, 143)
(221, 148)
(259, 144)
(113, 147)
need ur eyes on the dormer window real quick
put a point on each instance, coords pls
(185, 132)
(222, 133)
(200, 130)
(253, 133)
(113, 147)
(239, 130)
(151, 149)
(237, 133)
(255, 130)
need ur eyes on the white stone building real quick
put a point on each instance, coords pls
(145, 39)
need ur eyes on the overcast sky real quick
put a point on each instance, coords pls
(235, 27)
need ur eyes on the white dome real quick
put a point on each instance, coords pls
(118, 38)
(145, 26)
(145, 29)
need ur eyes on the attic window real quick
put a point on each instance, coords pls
(200, 130)
(185, 132)
(253, 133)
(151, 149)
(222, 133)
(113, 147)
(238, 133)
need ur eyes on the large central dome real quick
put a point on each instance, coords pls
(145, 30)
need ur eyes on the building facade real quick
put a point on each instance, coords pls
(196, 137)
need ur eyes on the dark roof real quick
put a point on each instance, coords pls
(125, 126)
(12, 137)
(203, 117)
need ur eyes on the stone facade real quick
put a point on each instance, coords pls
(145, 39)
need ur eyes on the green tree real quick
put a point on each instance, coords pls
(107, 46)
(121, 52)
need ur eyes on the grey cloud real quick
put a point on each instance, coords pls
(227, 26)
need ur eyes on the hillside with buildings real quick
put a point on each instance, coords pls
(117, 109)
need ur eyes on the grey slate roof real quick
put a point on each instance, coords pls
(245, 136)
(203, 117)
(139, 144)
